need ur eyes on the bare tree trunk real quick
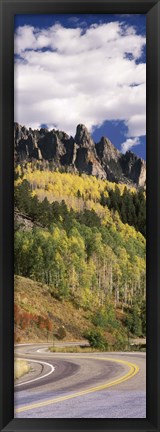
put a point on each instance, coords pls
(111, 280)
(125, 293)
(118, 293)
(115, 298)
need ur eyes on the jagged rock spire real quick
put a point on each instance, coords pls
(79, 154)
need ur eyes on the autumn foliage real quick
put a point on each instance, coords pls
(24, 320)
(86, 242)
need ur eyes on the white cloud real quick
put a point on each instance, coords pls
(137, 124)
(81, 77)
(129, 143)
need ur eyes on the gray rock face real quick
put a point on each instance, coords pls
(134, 168)
(79, 154)
(106, 151)
(109, 158)
(86, 158)
(83, 138)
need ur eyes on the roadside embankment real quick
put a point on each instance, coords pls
(21, 367)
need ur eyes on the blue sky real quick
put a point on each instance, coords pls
(89, 69)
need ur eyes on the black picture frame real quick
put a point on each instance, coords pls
(8, 8)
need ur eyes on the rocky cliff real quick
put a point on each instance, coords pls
(78, 154)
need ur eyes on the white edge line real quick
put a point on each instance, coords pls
(36, 379)
(42, 350)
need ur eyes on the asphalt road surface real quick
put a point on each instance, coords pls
(96, 385)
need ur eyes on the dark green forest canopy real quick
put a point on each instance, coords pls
(130, 206)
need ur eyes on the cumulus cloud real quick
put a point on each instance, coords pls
(129, 143)
(65, 76)
(137, 124)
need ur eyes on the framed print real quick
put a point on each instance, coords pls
(79, 215)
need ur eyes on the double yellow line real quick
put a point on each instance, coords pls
(133, 370)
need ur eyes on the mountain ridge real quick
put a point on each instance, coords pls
(79, 154)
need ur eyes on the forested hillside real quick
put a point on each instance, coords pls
(87, 242)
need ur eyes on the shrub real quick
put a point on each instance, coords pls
(121, 341)
(61, 333)
(96, 339)
(133, 321)
(48, 325)
(105, 317)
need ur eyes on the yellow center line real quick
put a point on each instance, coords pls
(133, 370)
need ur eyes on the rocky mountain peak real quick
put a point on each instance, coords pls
(83, 138)
(79, 154)
(134, 167)
(106, 150)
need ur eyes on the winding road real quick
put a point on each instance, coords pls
(94, 385)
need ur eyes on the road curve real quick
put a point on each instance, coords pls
(96, 385)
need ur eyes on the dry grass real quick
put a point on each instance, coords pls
(34, 297)
(72, 349)
(21, 367)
